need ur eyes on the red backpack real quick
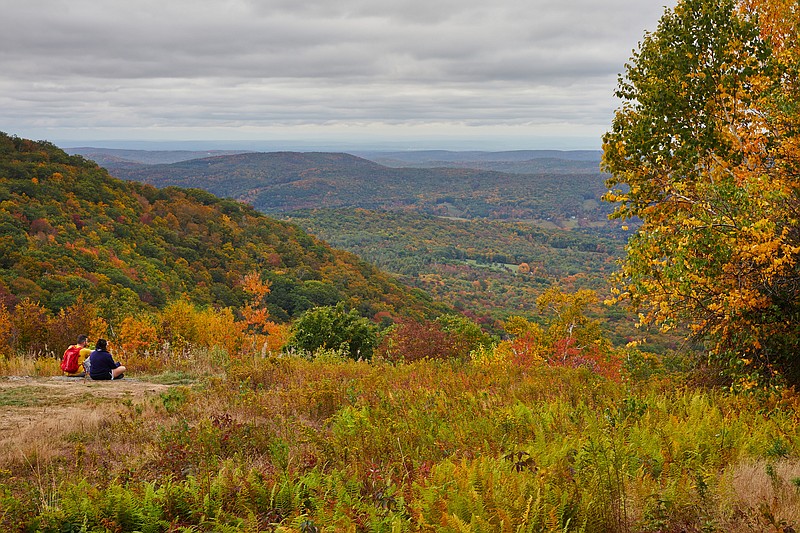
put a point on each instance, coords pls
(69, 363)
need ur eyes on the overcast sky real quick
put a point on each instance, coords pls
(491, 74)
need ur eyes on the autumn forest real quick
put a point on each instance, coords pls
(425, 341)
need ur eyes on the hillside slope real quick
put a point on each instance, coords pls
(67, 228)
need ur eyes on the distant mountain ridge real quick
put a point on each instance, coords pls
(153, 157)
(113, 158)
(416, 156)
(277, 182)
(514, 162)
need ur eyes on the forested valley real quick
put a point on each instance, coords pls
(486, 242)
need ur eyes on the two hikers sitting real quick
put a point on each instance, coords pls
(98, 363)
(73, 362)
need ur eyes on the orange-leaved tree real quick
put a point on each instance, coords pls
(705, 152)
(262, 334)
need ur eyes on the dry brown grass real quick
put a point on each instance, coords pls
(763, 495)
(38, 416)
(38, 434)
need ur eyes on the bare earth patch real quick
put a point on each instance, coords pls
(35, 413)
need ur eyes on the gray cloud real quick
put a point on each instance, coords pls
(218, 69)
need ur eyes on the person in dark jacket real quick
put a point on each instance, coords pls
(102, 365)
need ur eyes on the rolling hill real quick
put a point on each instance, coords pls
(286, 181)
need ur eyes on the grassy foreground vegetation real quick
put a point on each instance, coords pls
(330, 444)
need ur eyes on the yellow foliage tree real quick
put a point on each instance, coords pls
(5, 331)
(136, 334)
(178, 325)
(705, 151)
(184, 325)
(219, 328)
(569, 329)
(568, 336)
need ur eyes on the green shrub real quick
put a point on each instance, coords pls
(333, 328)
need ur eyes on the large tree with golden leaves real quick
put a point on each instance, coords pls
(705, 152)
